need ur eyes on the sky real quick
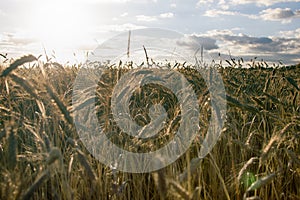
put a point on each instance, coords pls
(67, 29)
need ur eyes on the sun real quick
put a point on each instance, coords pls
(60, 24)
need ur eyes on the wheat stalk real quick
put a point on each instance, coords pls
(37, 183)
(17, 63)
(86, 165)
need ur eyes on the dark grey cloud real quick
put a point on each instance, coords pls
(270, 49)
(262, 40)
(245, 39)
(280, 46)
(263, 44)
(243, 2)
(274, 44)
(195, 42)
(279, 14)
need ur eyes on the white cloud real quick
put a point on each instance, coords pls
(2, 13)
(145, 18)
(290, 34)
(260, 3)
(166, 15)
(223, 4)
(217, 13)
(279, 14)
(201, 3)
(16, 39)
(173, 5)
(124, 14)
(119, 28)
(16, 44)
(217, 32)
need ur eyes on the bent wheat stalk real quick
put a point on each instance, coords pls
(17, 63)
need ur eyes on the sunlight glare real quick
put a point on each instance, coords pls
(60, 25)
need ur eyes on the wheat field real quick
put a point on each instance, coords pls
(256, 157)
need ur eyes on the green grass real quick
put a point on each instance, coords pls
(257, 155)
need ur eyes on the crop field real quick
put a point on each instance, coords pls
(256, 157)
